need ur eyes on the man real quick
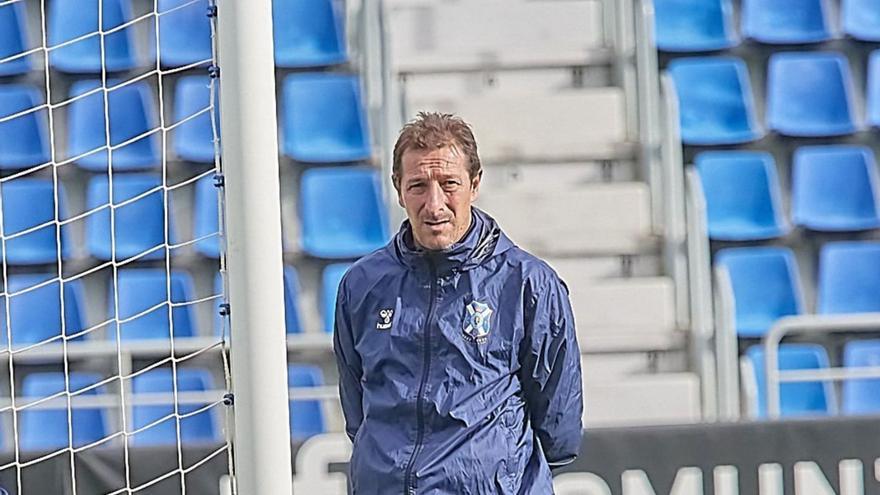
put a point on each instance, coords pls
(459, 368)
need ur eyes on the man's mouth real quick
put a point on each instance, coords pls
(434, 223)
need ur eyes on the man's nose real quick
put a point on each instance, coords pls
(436, 200)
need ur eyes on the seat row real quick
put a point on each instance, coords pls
(834, 188)
(141, 298)
(809, 94)
(46, 428)
(308, 33)
(342, 215)
(860, 396)
(322, 122)
(708, 25)
(767, 286)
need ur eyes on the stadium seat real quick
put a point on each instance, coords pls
(28, 203)
(194, 139)
(35, 315)
(861, 396)
(715, 101)
(306, 418)
(341, 211)
(810, 94)
(206, 219)
(743, 197)
(13, 39)
(145, 289)
(872, 89)
(329, 287)
(694, 25)
(786, 22)
(766, 286)
(861, 19)
(46, 428)
(308, 33)
(139, 224)
(835, 188)
(132, 114)
(184, 32)
(74, 19)
(795, 399)
(24, 140)
(199, 428)
(849, 278)
(323, 119)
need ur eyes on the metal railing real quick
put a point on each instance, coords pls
(812, 324)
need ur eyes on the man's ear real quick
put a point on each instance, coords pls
(475, 186)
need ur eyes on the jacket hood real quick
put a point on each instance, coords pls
(483, 240)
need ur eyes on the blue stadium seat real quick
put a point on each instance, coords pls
(861, 19)
(323, 119)
(28, 203)
(342, 212)
(872, 89)
(715, 101)
(766, 286)
(24, 140)
(206, 220)
(786, 22)
(694, 25)
(45, 429)
(132, 114)
(861, 396)
(330, 280)
(35, 315)
(849, 278)
(13, 39)
(308, 33)
(834, 188)
(73, 19)
(306, 417)
(743, 197)
(184, 32)
(194, 139)
(145, 289)
(139, 224)
(199, 428)
(810, 94)
(795, 399)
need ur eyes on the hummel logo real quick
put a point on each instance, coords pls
(384, 322)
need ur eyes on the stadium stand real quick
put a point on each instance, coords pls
(77, 22)
(717, 106)
(695, 25)
(143, 308)
(194, 138)
(835, 188)
(29, 211)
(197, 428)
(766, 286)
(873, 89)
(796, 399)
(786, 22)
(313, 34)
(13, 39)
(205, 218)
(861, 396)
(24, 138)
(849, 278)
(184, 33)
(306, 416)
(743, 196)
(44, 429)
(861, 19)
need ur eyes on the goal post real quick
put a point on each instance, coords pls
(254, 251)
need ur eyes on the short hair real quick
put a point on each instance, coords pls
(433, 130)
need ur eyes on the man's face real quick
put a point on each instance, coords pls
(436, 190)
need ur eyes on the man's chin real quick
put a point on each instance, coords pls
(435, 243)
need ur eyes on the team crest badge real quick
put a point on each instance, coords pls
(477, 323)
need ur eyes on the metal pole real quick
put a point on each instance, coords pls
(253, 247)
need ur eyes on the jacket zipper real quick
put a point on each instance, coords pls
(408, 489)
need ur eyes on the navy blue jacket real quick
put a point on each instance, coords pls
(459, 370)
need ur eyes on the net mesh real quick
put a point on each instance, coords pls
(116, 360)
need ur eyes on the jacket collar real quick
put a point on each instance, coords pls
(483, 240)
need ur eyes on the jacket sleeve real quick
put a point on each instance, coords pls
(349, 364)
(550, 370)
